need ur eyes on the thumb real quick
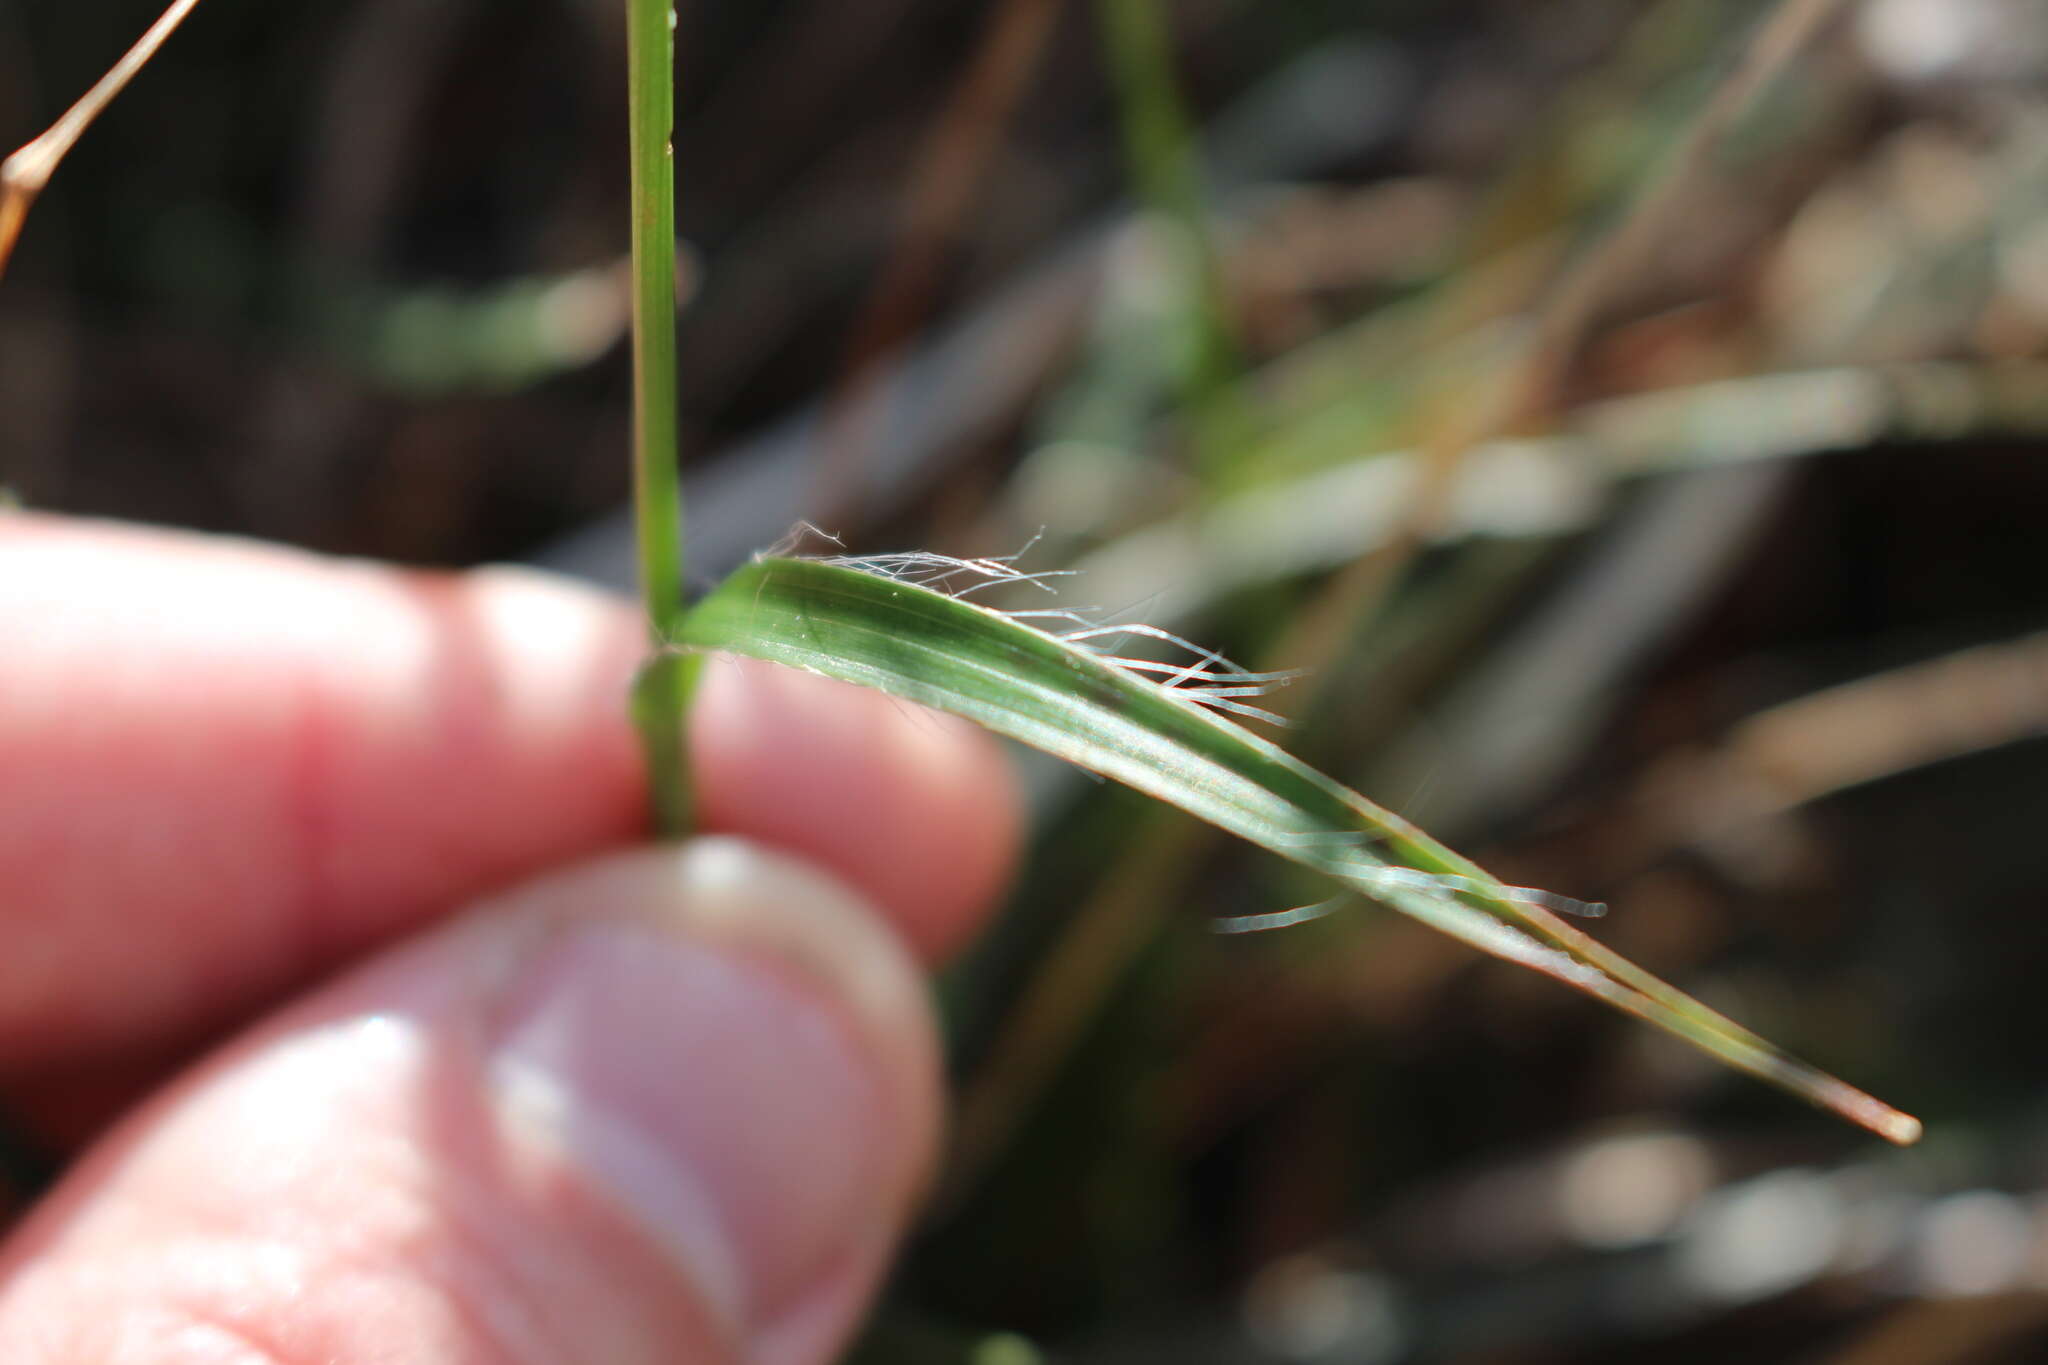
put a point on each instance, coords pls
(672, 1105)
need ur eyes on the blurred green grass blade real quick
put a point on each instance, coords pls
(1164, 163)
(1061, 697)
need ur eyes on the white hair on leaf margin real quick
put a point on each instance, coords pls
(1210, 680)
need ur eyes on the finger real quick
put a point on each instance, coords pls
(917, 809)
(225, 768)
(672, 1105)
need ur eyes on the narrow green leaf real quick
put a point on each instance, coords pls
(1058, 695)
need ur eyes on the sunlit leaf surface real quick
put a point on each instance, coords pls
(1155, 731)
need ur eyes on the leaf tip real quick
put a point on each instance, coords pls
(1872, 1113)
(1903, 1129)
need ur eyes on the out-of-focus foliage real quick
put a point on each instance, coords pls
(1736, 627)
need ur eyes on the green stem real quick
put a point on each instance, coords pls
(662, 694)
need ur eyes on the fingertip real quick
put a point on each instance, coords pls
(231, 765)
(234, 766)
(672, 1104)
(917, 809)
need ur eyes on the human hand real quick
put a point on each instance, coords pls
(660, 1104)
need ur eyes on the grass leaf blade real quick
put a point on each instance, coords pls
(1059, 696)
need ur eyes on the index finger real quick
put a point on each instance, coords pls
(226, 768)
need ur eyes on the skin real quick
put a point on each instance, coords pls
(334, 962)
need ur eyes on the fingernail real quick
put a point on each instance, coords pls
(727, 1045)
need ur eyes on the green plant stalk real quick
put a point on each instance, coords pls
(662, 694)
(1161, 152)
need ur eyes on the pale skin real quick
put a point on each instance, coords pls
(335, 958)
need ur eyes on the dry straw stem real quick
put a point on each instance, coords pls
(1560, 327)
(1719, 424)
(1528, 378)
(950, 165)
(24, 174)
(1088, 960)
(1806, 750)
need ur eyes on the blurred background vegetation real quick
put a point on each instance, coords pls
(1635, 420)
